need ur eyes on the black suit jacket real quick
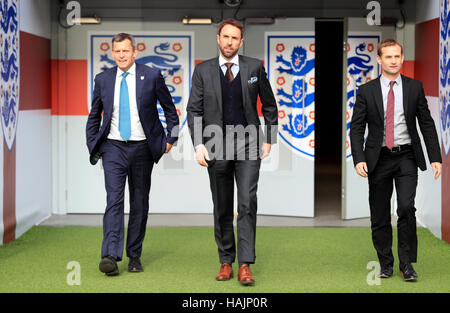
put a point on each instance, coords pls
(150, 87)
(369, 110)
(205, 101)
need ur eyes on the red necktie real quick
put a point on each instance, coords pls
(390, 118)
(229, 74)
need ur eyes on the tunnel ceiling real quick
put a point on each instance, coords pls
(175, 10)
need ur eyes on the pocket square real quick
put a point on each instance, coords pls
(253, 80)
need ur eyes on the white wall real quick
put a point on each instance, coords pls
(429, 190)
(33, 140)
(33, 169)
(426, 10)
(35, 17)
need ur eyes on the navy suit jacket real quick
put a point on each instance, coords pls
(150, 87)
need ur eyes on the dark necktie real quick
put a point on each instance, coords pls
(390, 117)
(229, 74)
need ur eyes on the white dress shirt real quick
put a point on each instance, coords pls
(137, 132)
(401, 135)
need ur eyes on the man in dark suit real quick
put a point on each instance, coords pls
(227, 136)
(390, 106)
(129, 140)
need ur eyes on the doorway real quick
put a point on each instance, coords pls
(328, 117)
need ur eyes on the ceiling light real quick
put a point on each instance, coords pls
(198, 21)
(86, 20)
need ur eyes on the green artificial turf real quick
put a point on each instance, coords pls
(184, 259)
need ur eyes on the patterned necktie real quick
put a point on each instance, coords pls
(124, 109)
(390, 117)
(229, 74)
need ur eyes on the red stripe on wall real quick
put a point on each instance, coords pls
(9, 193)
(259, 103)
(34, 72)
(408, 68)
(427, 56)
(69, 87)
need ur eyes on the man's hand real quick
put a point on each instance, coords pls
(265, 150)
(437, 168)
(97, 156)
(201, 155)
(361, 169)
(168, 147)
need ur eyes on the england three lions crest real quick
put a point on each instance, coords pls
(444, 77)
(172, 54)
(362, 67)
(9, 70)
(290, 65)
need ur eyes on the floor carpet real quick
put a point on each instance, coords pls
(184, 259)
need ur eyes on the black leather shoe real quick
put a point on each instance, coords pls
(108, 265)
(408, 272)
(135, 265)
(386, 272)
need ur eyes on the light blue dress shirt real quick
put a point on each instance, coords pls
(234, 67)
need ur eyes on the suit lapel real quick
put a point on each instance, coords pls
(243, 69)
(110, 86)
(379, 98)
(405, 95)
(215, 78)
(139, 85)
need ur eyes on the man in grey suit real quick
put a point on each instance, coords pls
(228, 139)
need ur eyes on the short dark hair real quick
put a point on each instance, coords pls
(387, 43)
(232, 22)
(123, 36)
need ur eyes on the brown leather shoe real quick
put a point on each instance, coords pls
(225, 273)
(245, 276)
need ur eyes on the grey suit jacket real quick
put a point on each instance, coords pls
(205, 101)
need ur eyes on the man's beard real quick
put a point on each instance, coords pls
(228, 55)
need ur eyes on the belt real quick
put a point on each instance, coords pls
(127, 141)
(398, 148)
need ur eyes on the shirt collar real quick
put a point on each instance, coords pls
(386, 81)
(234, 60)
(131, 71)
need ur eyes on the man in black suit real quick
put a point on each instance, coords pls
(129, 141)
(227, 136)
(390, 106)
